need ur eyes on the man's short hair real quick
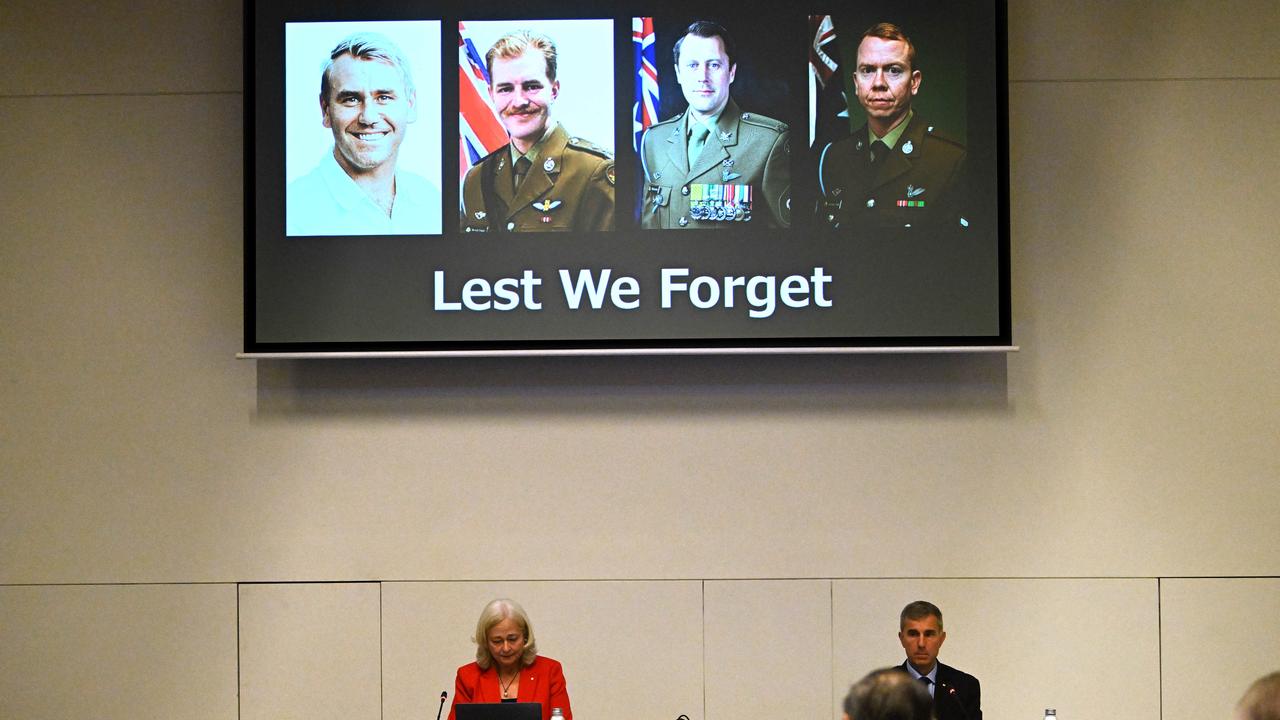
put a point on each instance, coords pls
(708, 29)
(367, 46)
(919, 610)
(1262, 700)
(888, 694)
(517, 43)
(889, 31)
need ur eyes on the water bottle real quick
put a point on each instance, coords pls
(1050, 714)
(557, 713)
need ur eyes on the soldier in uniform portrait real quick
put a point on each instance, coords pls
(896, 171)
(714, 166)
(545, 179)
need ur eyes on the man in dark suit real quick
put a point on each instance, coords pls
(956, 694)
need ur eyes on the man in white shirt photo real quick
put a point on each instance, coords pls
(367, 100)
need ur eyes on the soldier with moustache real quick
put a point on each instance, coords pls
(896, 171)
(714, 166)
(544, 180)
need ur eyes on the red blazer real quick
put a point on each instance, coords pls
(541, 682)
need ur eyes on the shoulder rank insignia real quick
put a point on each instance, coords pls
(610, 175)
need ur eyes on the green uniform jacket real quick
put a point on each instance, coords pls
(917, 185)
(569, 188)
(746, 149)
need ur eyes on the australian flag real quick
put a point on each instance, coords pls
(480, 130)
(828, 106)
(645, 111)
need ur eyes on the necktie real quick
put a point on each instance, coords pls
(522, 168)
(879, 151)
(928, 684)
(697, 139)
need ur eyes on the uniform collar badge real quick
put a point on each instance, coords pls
(907, 148)
(549, 165)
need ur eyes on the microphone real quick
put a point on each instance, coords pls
(951, 693)
(443, 695)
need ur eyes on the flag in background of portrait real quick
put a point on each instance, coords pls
(828, 105)
(481, 130)
(645, 110)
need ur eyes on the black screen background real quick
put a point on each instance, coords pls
(375, 293)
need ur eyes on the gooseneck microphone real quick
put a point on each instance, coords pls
(951, 693)
(443, 695)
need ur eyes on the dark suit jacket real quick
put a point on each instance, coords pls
(958, 695)
(541, 682)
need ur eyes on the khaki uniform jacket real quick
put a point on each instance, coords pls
(917, 185)
(569, 188)
(745, 149)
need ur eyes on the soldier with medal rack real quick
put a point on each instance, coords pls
(714, 166)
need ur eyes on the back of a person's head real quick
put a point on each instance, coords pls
(888, 694)
(1262, 700)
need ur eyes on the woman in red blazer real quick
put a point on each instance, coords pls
(508, 666)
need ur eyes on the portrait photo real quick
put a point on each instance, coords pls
(362, 128)
(715, 100)
(536, 125)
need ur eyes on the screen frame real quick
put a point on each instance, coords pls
(254, 348)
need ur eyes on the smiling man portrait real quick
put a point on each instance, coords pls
(545, 179)
(367, 101)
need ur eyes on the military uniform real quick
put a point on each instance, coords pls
(918, 184)
(742, 175)
(570, 187)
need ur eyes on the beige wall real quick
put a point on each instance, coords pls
(722, 538)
